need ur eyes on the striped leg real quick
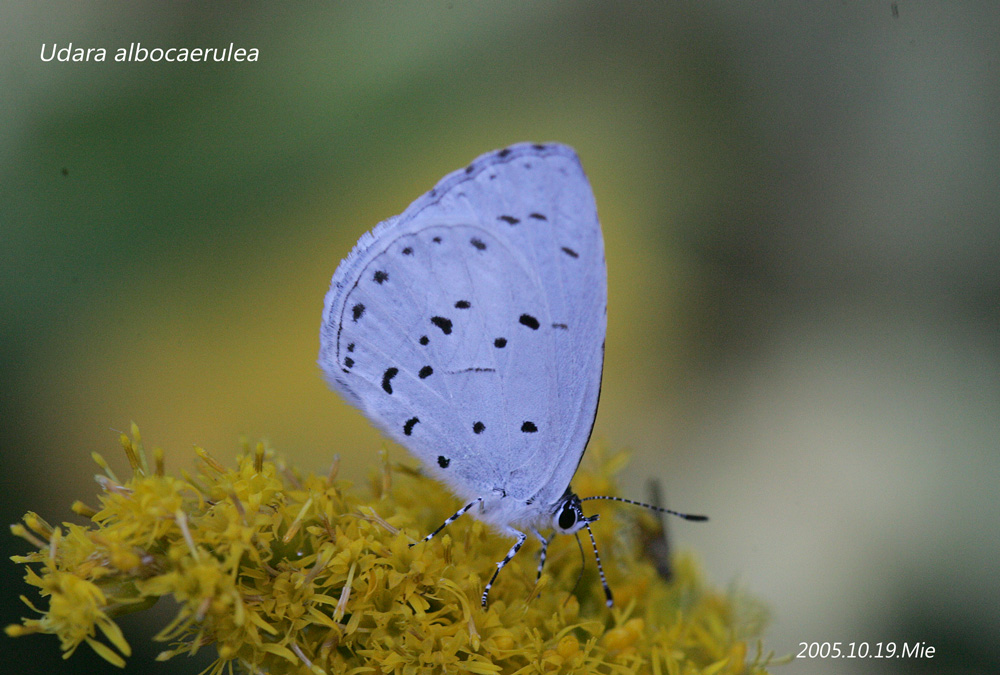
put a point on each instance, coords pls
(521, 537)
(452, 519)
(541, 555)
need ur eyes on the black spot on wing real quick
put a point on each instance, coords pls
(478, 244)
(529, 321)
(510, 220)
(424, 339)
(349, 362)
(500, 343)
(503, 153)
(561, 326)
(381, 277)
(408, 250)
(408, 426)
(442, 323)
(478, 427)
(463, 304)
(529, 427)
(350, 347)
(570, 252)
(443, 461)
(387, 379)
(425, 372)
(537, 216)
(357, 311)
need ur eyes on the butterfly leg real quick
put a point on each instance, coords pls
(541, 555)
(458, 514)
(521, 537)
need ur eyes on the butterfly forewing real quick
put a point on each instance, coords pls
(470, 328)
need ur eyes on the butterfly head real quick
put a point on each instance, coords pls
(567, 517)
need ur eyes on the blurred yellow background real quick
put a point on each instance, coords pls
(802, 223)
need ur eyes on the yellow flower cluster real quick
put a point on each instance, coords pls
(289, 573)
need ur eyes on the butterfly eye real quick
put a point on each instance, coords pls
(567, 517)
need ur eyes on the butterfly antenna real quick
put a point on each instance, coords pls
(685, 516)
(600, 568)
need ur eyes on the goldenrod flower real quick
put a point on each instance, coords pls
(288, 573)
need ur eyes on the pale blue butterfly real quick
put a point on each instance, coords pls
(470, 329)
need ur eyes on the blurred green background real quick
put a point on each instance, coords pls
(802, 222)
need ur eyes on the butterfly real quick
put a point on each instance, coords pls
(470, 329)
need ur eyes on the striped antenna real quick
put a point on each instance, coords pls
(685, 516)
(600, 568)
